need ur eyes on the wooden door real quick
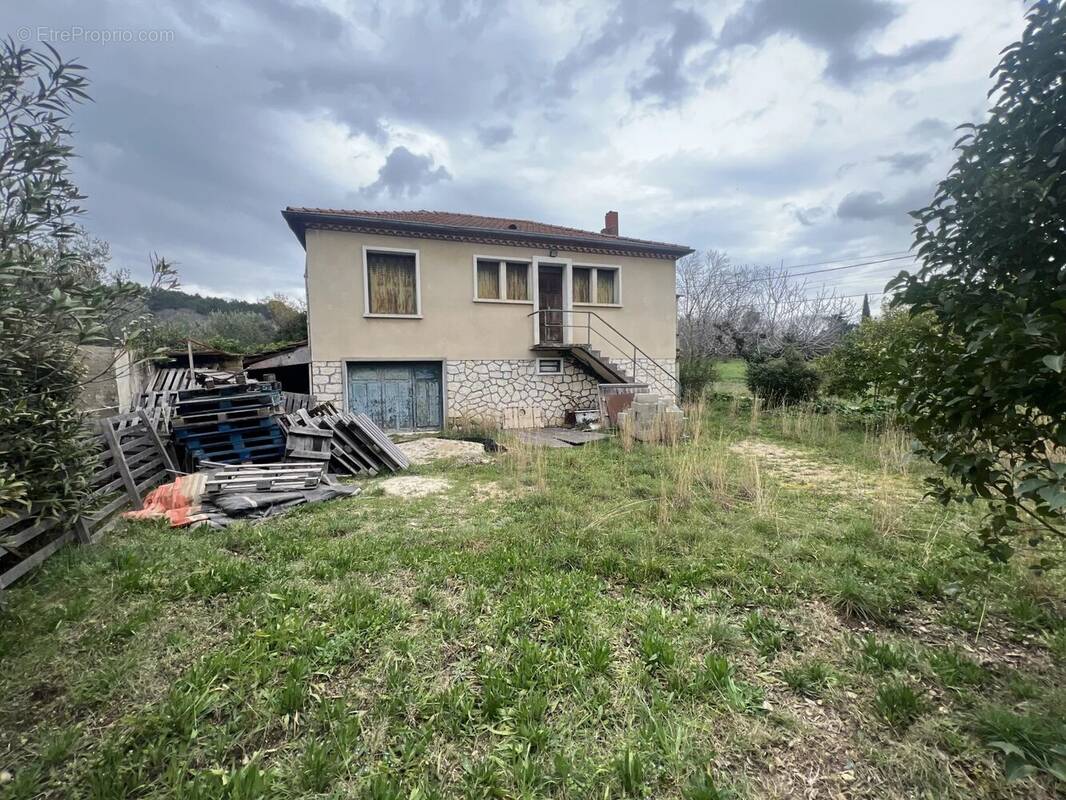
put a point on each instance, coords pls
(397, 396)
(550, 302)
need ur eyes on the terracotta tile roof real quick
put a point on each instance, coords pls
(474, 227)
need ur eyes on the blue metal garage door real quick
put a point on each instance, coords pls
(398, 396)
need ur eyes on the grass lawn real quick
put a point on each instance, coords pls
(769, 610)
(732, 377)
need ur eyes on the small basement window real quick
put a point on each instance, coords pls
(501, 281)
(549, 366)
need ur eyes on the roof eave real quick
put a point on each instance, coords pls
(299, 221)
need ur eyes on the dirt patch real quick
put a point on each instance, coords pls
(489, 491)
(423, 451)
(414, 486)
(800, 468)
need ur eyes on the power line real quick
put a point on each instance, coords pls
(787, 274)
(849, 258)
(848, 266)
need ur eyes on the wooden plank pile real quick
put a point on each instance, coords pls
(357, 445)
(230, 423)
(263, 478)
(161, 393)
(294, 401)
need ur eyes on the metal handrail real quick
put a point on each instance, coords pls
(588, 326)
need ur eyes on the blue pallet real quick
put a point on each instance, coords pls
(273, 454)
(250, 426)
(236, 442)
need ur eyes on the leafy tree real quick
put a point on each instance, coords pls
(53, 300)
(866, 307)
(787, 378)
(695, 376)
(873, 357)
(986, 396)
(289, 316)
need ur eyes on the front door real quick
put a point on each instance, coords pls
(398, 396)
(550, 303)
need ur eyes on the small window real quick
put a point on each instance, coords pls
(582, 285)
(488, 280)
(501, 280)
(392, 283)
(606, 286)
(517, 281)
(549, 366)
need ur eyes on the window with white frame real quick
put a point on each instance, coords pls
(390, 281)
(549, 366)
(595, 285)
(501, 281)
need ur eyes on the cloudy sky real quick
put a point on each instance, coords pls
(780, 131)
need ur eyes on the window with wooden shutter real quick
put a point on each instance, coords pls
(488, 280)
(606, 286)
(391, 283)
(582, 285)
(517, 281)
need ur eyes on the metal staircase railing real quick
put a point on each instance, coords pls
(547, 321)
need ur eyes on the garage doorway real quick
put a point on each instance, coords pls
(400, 396)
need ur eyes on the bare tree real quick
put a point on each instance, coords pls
(726, 310)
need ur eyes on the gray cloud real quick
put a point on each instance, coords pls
(405, 174)
(871, 205)
(494, 135)
(190, 148)
(930, 128)
(907, 162)
(808, 216)
(666, 83)
(848, 67)
(837, 27)
(662, 80)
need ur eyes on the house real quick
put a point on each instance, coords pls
(418, 317)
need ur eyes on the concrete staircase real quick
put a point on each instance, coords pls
(591, 360)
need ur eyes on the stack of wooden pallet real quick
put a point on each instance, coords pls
(263, 478)
(230, 424)
(358, 446)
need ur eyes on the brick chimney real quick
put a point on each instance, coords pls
(610, 223)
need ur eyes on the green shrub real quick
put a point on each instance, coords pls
(871, 359)
(696, 375)
(788, 378)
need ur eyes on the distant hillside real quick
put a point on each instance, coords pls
(173, 300)
(238, 326)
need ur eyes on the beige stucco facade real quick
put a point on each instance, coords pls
(452, 324)
(488, 369)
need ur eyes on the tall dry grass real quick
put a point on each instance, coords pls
(526, 464)
(807, 426)
(892, 446)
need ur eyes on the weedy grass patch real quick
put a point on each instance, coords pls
(621, 620)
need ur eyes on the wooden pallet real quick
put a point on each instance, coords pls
(228, 391)
(211, 418)
(264, 478)
(131, 459)
(307, 443)
(358, 446)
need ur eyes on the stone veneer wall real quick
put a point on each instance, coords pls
(509, 393)
(327, 381)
